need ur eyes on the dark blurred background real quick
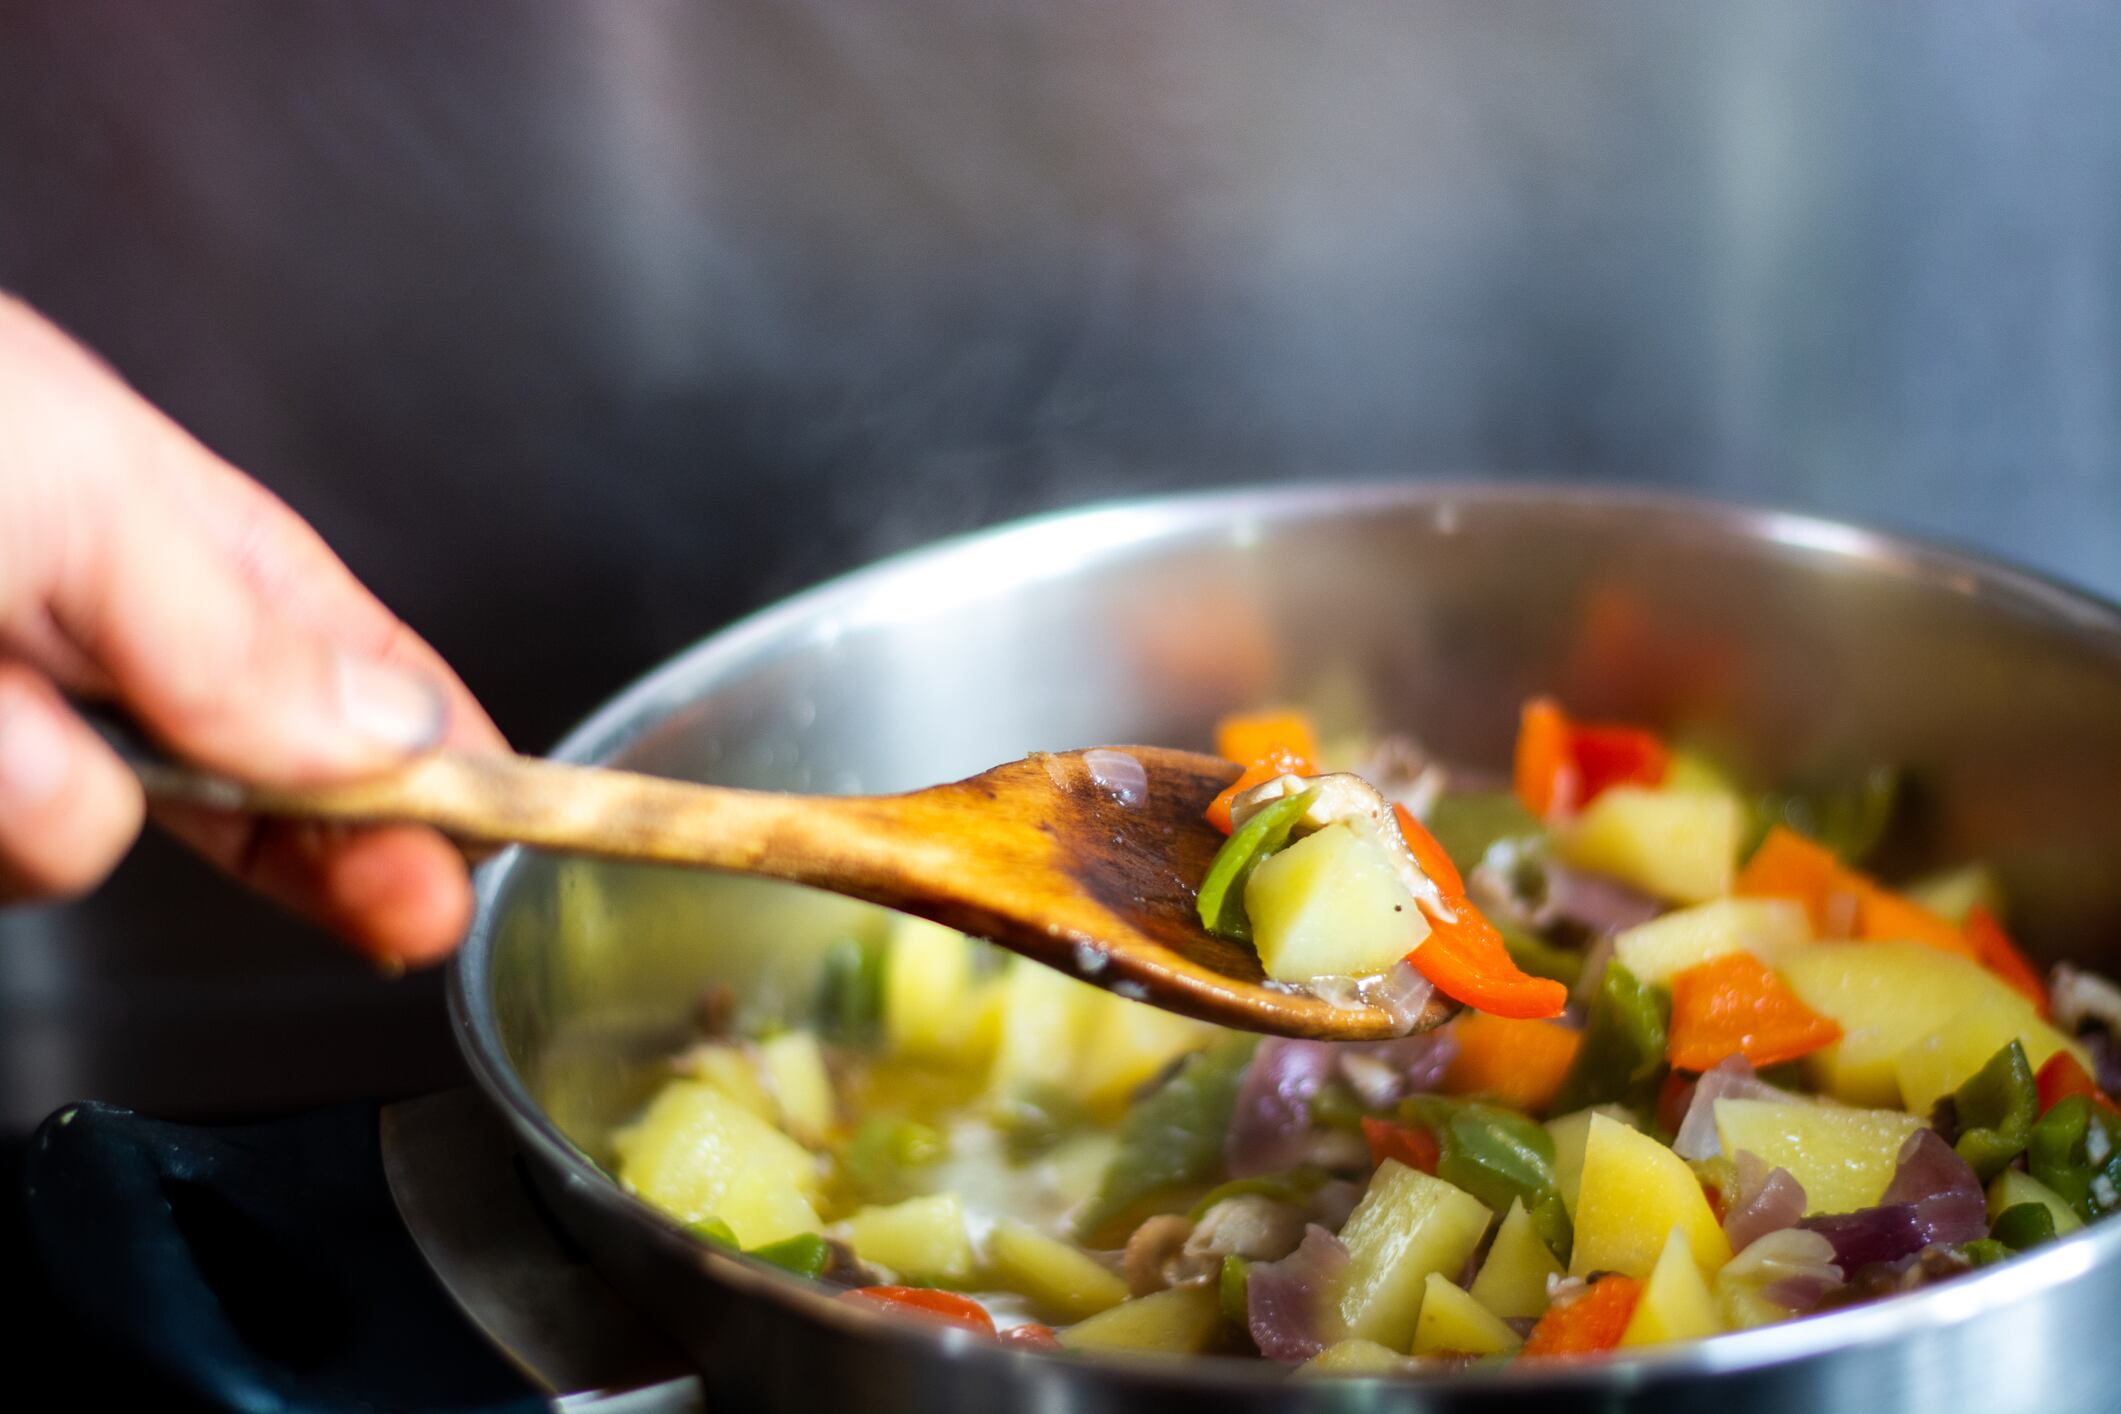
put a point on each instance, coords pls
(582, 328)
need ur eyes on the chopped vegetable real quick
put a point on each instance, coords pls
(1676, 845)
(946, 1307)
(2074, 1153)
(1940, 1062)
(1434, 859)
(1453, 1323)
(1995, 1110)
(1180, 1321)
(794, 1069)
(2024, 1225)
(1844, 1157)
(1469, 825)
(1246, 737)
(1331, 905)
(1884, 916)
(1787, 865)
(1768, 928)
(1516, 1063)
(1953, 894)
(1513, 1277)
(1634, 1191)
(1595, 1321)
(850, 992)
(1622, 1056)
(927, 990)
(1060, 1280)
(1733, 1005)
(1847, 816)
(2064, 1075)
(1548, 781)
(922, 1239)
(696, 1153)
(1173, 1138)
(1467, 961)
(1222, 893)
(1415, 1147)
(1408, 1225)
(1499, 1157)
(2014, 1187)
(880, 1160)
(806, 1254)
(1232, 1290)
(1675, 1303)
(1994, 950)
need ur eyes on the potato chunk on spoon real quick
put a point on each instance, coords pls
(1087, 861)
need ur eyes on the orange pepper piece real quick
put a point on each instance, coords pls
(1734, 1005)
(1246, 737)
(1416, 1148)
(1994, 950)
(1256, 774)
(1593, 1322)
(1884, 916)
(1465, 960)
(1428, 853)
(1520, 1063)
(1787, 865)
(1545, 769)
(928, 1303)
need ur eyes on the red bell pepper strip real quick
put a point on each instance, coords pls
(1429, 854)
(1733, 1005)
(1994, 950)
(1465, 959)
(1563, 765)
(1608, 756)
(2063, 1076)
(1416, 1148)
(947, 1307)
(1593, 1322)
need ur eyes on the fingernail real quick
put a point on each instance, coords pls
(390, 706)
(34, 753)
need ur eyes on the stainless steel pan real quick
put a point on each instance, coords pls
(1428, 608)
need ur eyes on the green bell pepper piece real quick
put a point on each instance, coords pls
(1222, 893)
(1996, 1107)
(1847, 815)
(2073, 1150)
(1173, 1138)
(1233, 1289)
(1496, 1155)
(850, 1004)
(1470, 823)
(1983, 1251)
(2023, 1225)
(806, 1254)
(877, 1160)
(1336, 1106)
(1622, 1056)
(1294, 1186)
(713, 1229)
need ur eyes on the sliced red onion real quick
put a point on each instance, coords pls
(1415, 1065)
(1941, 1187)
(1592, 902)
(1794, 1268)
(1731, 1078)
(1885, 1233)
(2077, 996)
(2106, 1061)
(1272, 1120)
(1289, 1305)
(1764, 1200)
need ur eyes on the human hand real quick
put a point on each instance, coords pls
(136, 565)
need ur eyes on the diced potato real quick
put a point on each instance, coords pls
(1126, 1045)
(1675, 1302)
(921, 1239)
(1407, 1225)
(696, 1154)
(1635, 1191)
(1513, 1276)
(794, 1068)
(1680, 845)
(1045, 1015)
(1062, 1281)
(1942, 1061)
(2014, 1186)
(1178, 1321)
(1329, 905)
(1356, 1357)
(1885, 996)
(1453, 1323)
(1768, 928)
(1570, 1132)
(927, 989)
(734, 1071)
(1844, 1157)
(1952, 896)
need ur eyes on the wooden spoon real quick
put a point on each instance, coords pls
(1047, 856)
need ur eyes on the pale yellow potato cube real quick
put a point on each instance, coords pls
(1768, 928)
(1939, 1063)
(928, 980)
(1062, 1281)
(921, 1239)
(794, 1069)
(1407, 1225)
(1178, 1321)
(1356, 1358)
(696, 1154)
(1512, 1280)
(1676, 1303)
(1571, 1131)
(1679, 845)
(1635, 1191)
(1453, 1323)
(1330, 905)
(1843, 1156)
(1126, 1045)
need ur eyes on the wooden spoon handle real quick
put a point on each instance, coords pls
(499, 799)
